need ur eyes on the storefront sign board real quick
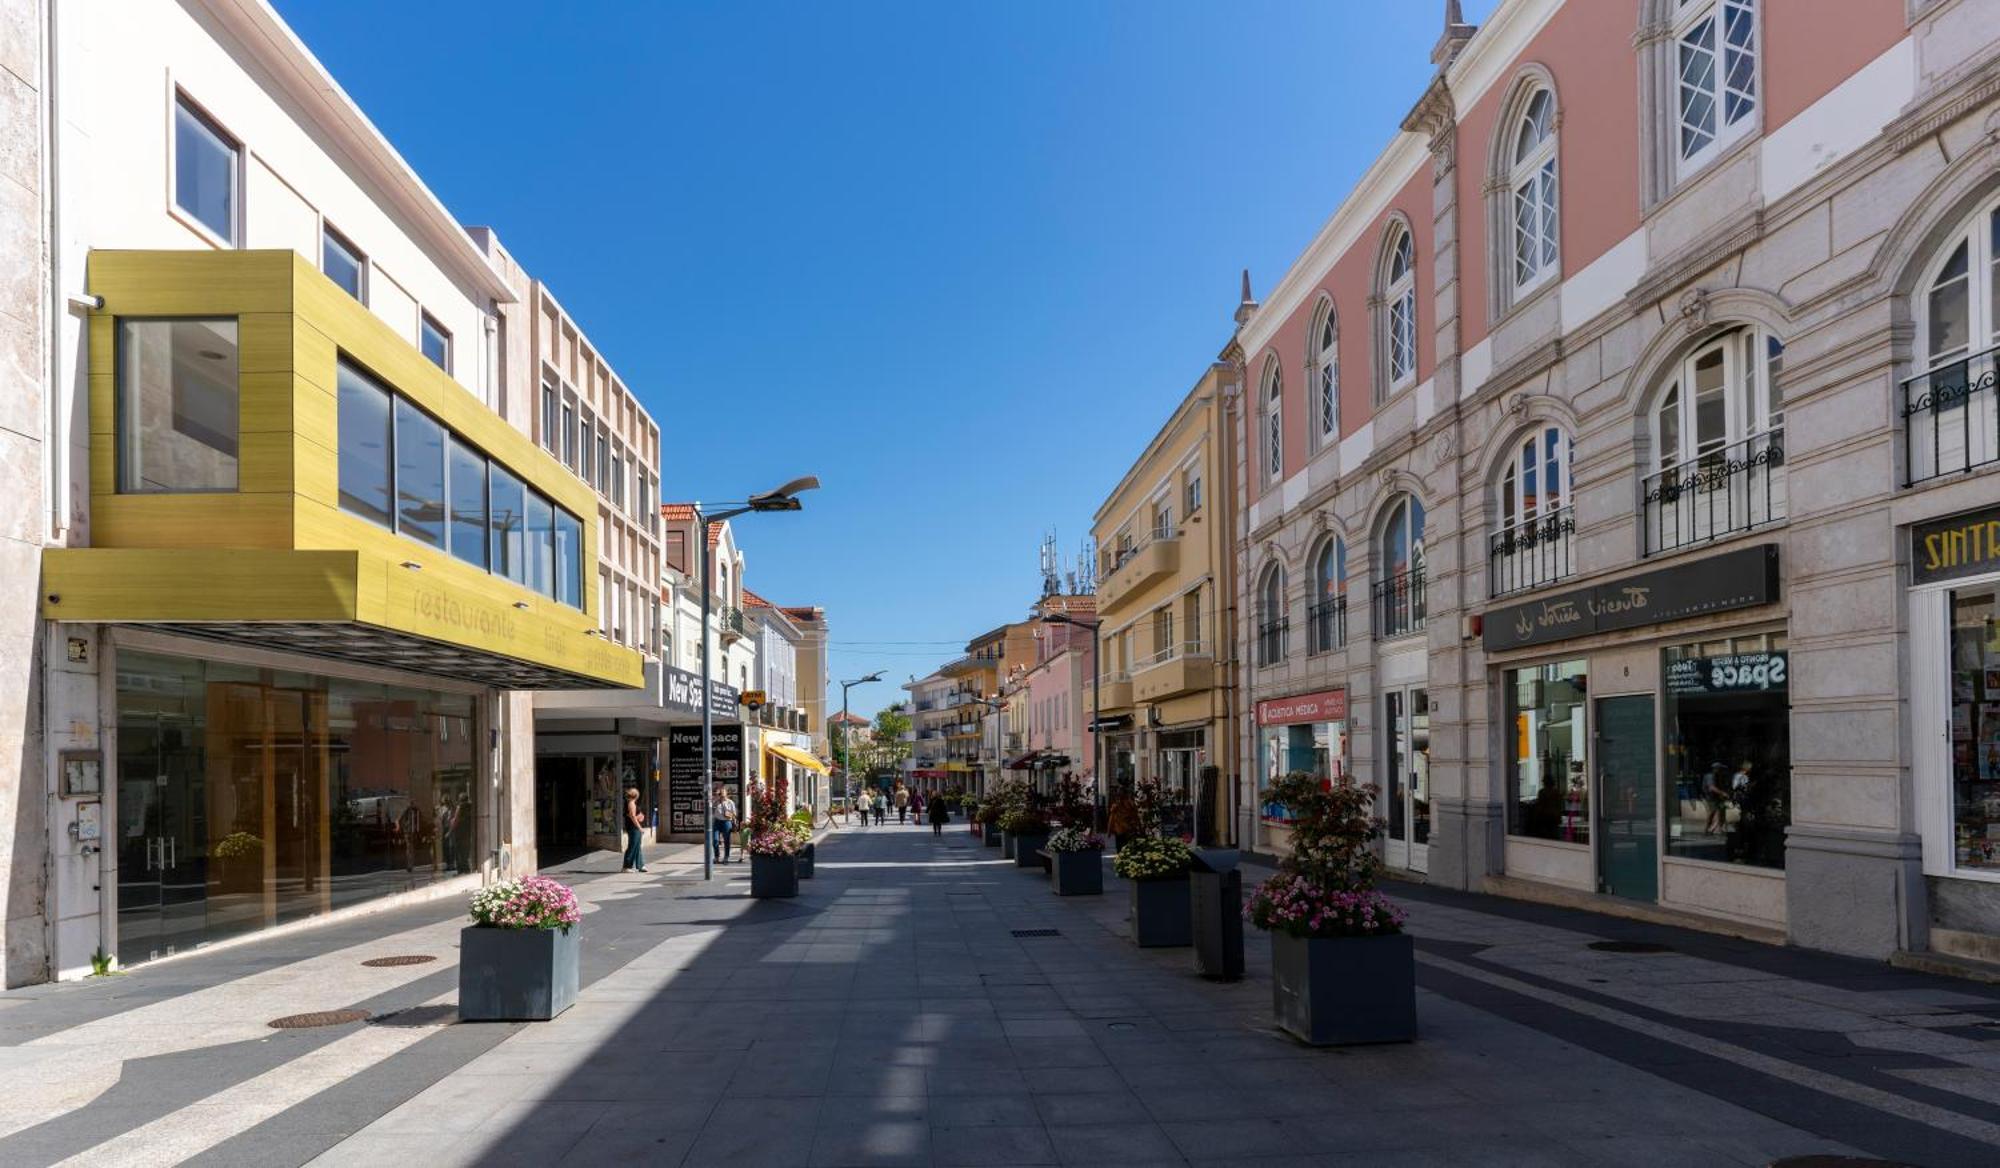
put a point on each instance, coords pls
(1744, 578)
(1949, 549)
(685, 809)
(1325, 706)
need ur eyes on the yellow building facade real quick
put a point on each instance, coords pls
(1165, 597)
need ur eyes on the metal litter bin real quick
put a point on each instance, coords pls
(1216, 900)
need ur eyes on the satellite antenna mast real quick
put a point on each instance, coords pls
(1051, 565)
(1086, 568)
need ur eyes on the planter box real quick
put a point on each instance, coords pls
(1008, 840)
(1025, 848)
(774, 876)
(1162, 912)
(1077, 873)
(516, 975)
(1338, 991)
(806, 861)
(991, 835)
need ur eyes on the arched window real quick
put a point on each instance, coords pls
(1325, 364)
(1718, 433)
(1399, 590)
(1531, 545)
(1399, 307)
(1274, 422)
(1327, 615)
(1532, 178)
(1271, 622)
(1949, 408)
(1715, 77)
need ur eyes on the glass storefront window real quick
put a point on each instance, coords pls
(506, 518)
(364, 447)
(1975, 729)
(1317, 748)
(541, 550)
(1548, 777)
(177, 405)
(1727, 750)
(419, 475)
(249, 797)
(468, 504)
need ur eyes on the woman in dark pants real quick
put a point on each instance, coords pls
(635, 832)
(940, 814)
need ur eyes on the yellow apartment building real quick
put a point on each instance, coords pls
(1165, 597)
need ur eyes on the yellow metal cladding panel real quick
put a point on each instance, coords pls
(192, 521)
(192, 283)
(174, 584)
(461, 607)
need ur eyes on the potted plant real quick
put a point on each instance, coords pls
(1027, 830)
(774, 842)
(988, 821)
(1342, 969)
(1157, 868)
(1076, 862)
(801, 823)
(517, 961)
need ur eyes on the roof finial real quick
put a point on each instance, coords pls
(1456, 33)
(1452, 15)
(1247, 305)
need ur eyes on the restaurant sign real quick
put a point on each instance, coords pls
(1325, 706)
(1963, 545)
(1739, 579)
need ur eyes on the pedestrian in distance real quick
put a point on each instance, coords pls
(722, 818)
(635, 832)
(939, 815)
(902, 798)
(881, 805)
(916, 806)
(861, 807)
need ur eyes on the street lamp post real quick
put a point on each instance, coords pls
(1096, 690)
(847, 731)
(785, 498)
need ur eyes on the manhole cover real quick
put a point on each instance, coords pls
(1631, 947)
(399, 959)
(317, 1018)
(1823, 1161)
(1037, 932)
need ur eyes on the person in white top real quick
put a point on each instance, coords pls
(722, 817)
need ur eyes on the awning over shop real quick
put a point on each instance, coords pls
(1023, 762)
(1113, 724)
(797, 757)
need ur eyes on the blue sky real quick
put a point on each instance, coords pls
(959, 260)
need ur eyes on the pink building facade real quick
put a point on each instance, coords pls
(1052, 714)
(1589, 454)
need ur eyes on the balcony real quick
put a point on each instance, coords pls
(1114, 692)
(1132, 568)
(1326, 625)
(1399, 605)
(1530, 553)
(1271, 641)
(1185, 668)
(1951, 418)
(1730, 489)
(732, 625)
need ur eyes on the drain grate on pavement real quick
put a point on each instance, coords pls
(1630, 947)
(1036, 932)
(399, 959)
(317, 1018)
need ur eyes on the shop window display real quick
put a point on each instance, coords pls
(1975, 729)
(1727, 757)
(1317, 748)
(1548, 777)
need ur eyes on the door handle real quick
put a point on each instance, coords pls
(173, 847)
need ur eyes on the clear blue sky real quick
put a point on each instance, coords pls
(957, 259)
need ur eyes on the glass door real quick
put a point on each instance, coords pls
(1406, 786)
(162, 882)
(1627, 798)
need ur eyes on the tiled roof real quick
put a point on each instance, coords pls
(678, 512)
(752, 600)
(714, 533)
(811, 612)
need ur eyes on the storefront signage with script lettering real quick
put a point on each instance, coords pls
(1738, 579)
(1963, 545)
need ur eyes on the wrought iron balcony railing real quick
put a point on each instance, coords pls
(1729, 489)
(1951, 418)
(1326, 625)
(1271, 638)
(1530, 553)
(1399, 604)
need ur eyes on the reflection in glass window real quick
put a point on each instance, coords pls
(364, 446)
(1975, 729)
(435, 341)
(177, 405)
(569, 559)
(468, 504)
(419, 475)
(541, 548)
(342, 262)
(506, 520)
(1548, 779)
(1727, 750)
(205, 171)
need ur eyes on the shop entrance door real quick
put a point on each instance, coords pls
(162, 882)
(1406, 786)
(1627, 798)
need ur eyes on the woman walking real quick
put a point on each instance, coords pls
(861, 806)
(939, 814)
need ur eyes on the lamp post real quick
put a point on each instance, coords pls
(785, 498)
(1096, 688)
(847, 731)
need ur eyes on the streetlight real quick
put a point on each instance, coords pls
(785, 498)
(847, 731)
(1096, 687)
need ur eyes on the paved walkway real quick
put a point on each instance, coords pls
(893, 1015)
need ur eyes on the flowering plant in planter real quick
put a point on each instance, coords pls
(1075, 839)
(239, 845)
(1288, 903)
(1151, 857)
(534, 903)
(1024, 821)
(1330, 876)
(1072, 807)
(774, 840)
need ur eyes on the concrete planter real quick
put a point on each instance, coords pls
(1340, 991)
(1008, 843)
(516, 975)
(992, 835)
(1026, 847)
(1077, 873)
(806, 861)
(1162, 912)
(774, 876)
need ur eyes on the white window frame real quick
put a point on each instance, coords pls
(1533, 181)
(1715, 14)
(1399, 300)
(424, 317)
(1274, 422)
(328, 233)
(1750, 407)
(179, 97)
(1326, 378)
(1982, 316)
(1531, 454)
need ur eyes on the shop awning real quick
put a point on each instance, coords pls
(1023, 762)
(1049, 760)
(797, 757)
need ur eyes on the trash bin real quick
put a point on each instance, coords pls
(1216, 905)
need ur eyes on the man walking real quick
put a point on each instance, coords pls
(902, 803)
(722, 820)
